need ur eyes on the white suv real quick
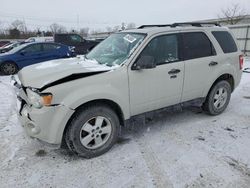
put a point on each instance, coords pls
(84, 100)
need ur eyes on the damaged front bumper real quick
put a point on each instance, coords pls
(47, 123)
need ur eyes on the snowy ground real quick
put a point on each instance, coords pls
(178, 149)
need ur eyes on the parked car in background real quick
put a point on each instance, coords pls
(10, 46)
(4, 42)
(40, 39)
(31, 53)
(82, 46)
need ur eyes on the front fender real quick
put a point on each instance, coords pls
(91, 93)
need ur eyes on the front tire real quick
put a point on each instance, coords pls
(92, 131)
(9, 68)
(218, 98)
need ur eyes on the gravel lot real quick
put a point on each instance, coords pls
(179, 149)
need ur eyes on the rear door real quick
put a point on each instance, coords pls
(200, 63)
(155, 88)
(51, 51)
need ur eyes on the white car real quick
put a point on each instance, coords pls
(85, 100)
(40, 39)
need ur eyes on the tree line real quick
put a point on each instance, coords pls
(231, 15)
(18, 30)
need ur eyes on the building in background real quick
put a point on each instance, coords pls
(241, 30)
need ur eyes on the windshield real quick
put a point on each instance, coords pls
(116, 48)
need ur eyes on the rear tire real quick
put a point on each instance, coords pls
(9, 68)
(92, 131)
(218, 98)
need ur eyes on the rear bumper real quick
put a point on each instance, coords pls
(238, 79)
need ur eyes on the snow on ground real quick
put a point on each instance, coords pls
(178, 149)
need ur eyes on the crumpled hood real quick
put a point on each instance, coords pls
(42, 74)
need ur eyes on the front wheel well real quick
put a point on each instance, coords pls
(114, 106)
(10, 61)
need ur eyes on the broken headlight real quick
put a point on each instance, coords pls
(38, 100)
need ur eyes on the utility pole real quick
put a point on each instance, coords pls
(77, 22)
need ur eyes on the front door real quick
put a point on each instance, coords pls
(155, 88)
(30, 55)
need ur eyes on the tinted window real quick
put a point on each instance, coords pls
(164, 49)
(32, 48)
(75, 38)
(49, 47)
(197, 45)
(226, 41)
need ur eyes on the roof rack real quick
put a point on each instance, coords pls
(195, 24)
(145, 26)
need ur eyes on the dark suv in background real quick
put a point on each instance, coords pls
(82, 46)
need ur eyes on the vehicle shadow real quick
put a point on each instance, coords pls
(139, 126)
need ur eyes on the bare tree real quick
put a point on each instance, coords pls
(84, 32)
(1, 27)
(19, 25)
(123, 26)
(95, 31)
(57, 28)
(131, 25)
(109, 29)
(233, 14)
(116, 28)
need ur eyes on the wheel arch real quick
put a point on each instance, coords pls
(113, 105)
(227, 77)
(9, 61)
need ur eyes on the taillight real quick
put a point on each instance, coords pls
(241, 61)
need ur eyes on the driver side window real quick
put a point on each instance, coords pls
(164, 49)
(32, 48)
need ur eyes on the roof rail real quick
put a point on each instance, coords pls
(145, 26)
(195, 24)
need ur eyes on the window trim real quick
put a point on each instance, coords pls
(180, 52)
(183, 48)
(53, 44)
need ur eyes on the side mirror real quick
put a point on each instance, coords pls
(144, 62)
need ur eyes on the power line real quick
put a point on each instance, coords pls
(59, 20)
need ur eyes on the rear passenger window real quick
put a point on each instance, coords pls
(226, 41)
(197, 45)
(49, 47)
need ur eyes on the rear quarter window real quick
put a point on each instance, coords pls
(226, 41)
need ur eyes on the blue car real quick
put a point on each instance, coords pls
(31, 53)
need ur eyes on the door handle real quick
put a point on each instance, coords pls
(213, 63)
(174, 71)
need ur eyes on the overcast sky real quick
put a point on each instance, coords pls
(98, 14)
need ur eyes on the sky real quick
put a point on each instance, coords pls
(98, 14)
